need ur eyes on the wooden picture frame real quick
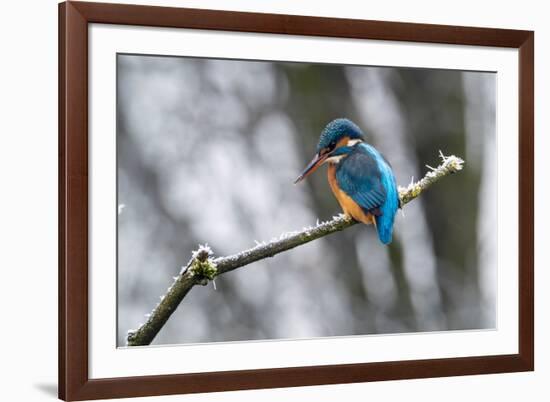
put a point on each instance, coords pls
(74, 381)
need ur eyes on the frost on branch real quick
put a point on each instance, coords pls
(203, 267)
(450, 164)
(198, 271)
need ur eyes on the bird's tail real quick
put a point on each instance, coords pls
(384, 227)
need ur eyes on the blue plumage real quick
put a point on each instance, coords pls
(367, 178)
(361, 179)
(337, 129)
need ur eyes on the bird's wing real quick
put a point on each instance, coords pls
(358, 176)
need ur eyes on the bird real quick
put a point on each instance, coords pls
(361, 179)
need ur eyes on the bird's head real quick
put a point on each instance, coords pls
(336, 141)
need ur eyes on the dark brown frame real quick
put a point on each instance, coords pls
(74, 383)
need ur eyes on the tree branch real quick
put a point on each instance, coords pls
(202, 267)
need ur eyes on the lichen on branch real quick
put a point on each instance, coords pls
(202, 267)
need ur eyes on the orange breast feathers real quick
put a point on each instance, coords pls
(349, 206)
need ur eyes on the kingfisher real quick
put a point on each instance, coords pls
(361, 179)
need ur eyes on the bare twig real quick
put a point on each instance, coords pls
(203, 267)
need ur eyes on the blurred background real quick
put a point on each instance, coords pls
(207, 153)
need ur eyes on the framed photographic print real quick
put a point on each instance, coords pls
(258, 200)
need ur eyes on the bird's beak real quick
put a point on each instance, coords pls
(312, 166)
